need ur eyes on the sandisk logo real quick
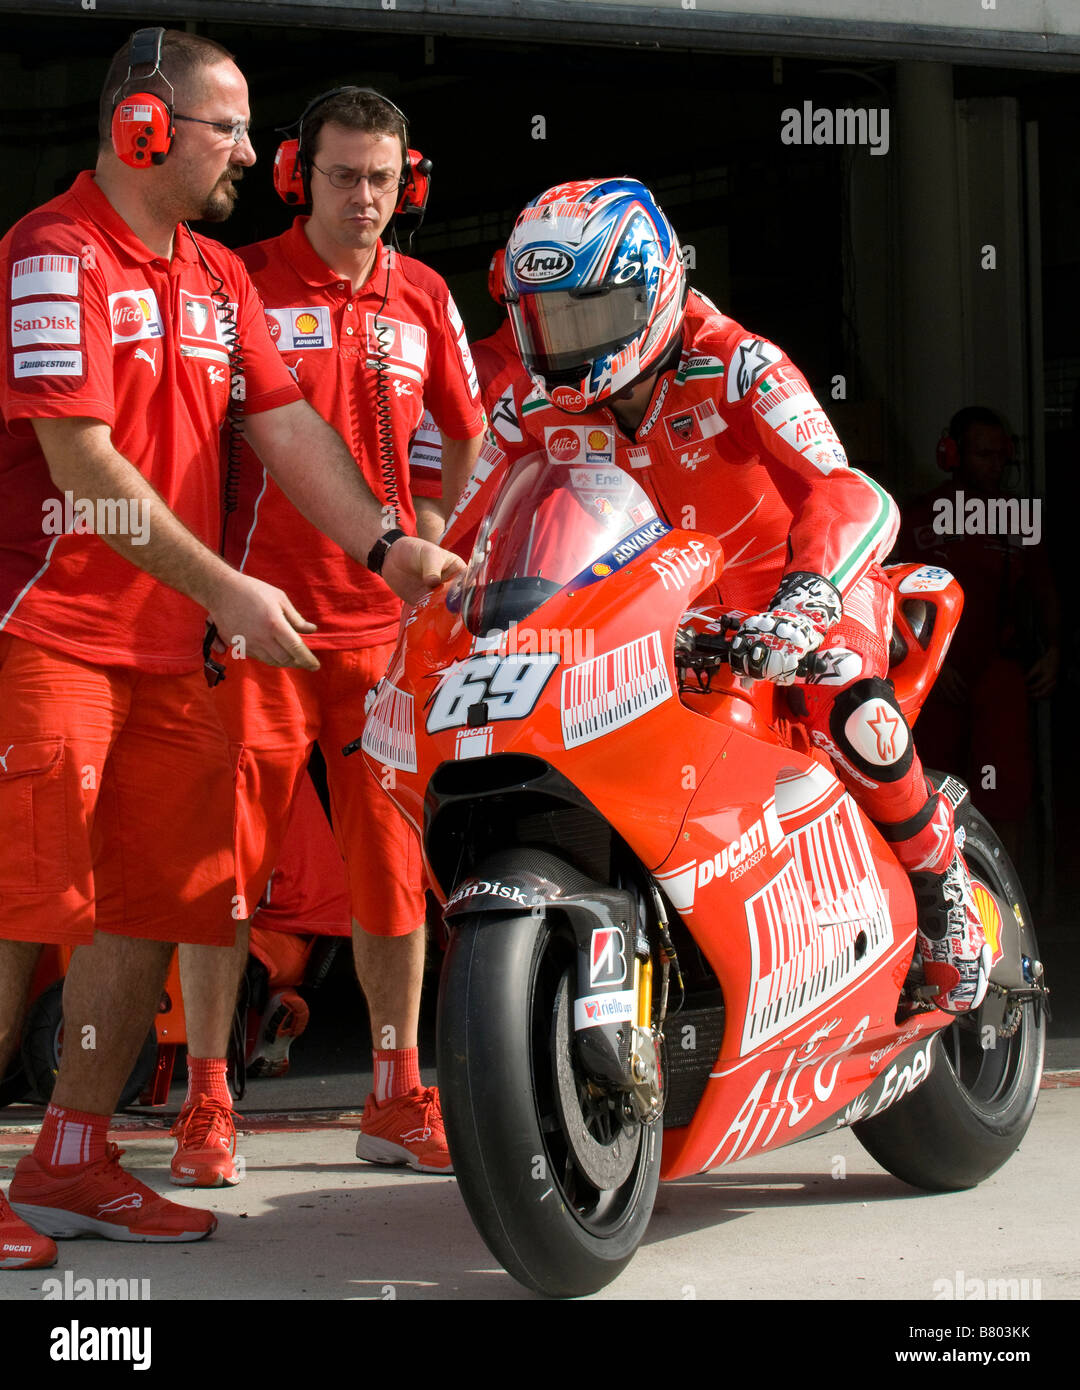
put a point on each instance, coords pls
(45, 321)
(54, 321)
(542, 263)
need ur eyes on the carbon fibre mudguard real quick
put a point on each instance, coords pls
(603, 921)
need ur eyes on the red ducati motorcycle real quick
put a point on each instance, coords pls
(675, 941)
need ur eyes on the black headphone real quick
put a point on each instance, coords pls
(142, 123)
(292, 177)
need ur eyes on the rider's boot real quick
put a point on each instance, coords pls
(949, 940)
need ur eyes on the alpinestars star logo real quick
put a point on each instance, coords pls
(885, 727)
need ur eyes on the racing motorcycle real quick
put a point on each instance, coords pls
(675, 941)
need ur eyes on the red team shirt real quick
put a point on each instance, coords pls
(99, 326)
(328, 339)
(734, 443)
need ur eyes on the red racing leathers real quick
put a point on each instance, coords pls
(733, 442)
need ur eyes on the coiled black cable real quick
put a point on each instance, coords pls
(384, 422)
(234, 423)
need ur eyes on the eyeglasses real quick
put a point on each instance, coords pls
(236, 129)
(379, 183)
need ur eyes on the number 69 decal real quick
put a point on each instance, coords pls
(510, 686)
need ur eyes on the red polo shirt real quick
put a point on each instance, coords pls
(98, 326)
(331, 340)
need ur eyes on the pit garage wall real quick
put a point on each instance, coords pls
(944, 264)
(931, 320)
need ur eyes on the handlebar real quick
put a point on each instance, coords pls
(707, 651)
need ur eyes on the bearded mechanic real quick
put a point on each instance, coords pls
(631, 367)
(116, 787)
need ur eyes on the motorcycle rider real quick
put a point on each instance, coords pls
(632, 368)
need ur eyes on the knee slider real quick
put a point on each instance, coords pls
(870, 729)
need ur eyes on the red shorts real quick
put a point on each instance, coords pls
(274, 715)
(116, 803)
(308, 893)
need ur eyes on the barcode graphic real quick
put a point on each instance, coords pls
(34, 265)
(44, 275)
(390, 731)
(413, 344)
(804, 924)
(709, 419)
(613, 689)
(780, 391)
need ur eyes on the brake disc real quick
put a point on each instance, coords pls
(608, 1162)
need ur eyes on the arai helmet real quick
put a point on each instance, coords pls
(595, 286)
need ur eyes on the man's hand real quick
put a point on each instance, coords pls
(413, 567)
(769, 646)
(255, 619)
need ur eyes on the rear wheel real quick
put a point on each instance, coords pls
(970, 1114)
(559, 1177)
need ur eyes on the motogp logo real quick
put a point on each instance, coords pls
(540, 263)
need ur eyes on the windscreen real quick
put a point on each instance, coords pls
(548, 525)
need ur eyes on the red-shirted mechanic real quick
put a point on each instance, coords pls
(722, 431)
(372, 337)
(116, 780)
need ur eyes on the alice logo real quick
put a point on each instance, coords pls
(105, 516)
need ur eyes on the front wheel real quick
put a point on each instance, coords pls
(970, 1114)
(558, 1177)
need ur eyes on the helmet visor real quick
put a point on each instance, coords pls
(560, 330)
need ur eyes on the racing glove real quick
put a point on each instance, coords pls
(770, 646)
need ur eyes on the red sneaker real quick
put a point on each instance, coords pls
(21, 1247)
(405, 1129)
(285, 1019)
(205, 1135)
(101, 1199)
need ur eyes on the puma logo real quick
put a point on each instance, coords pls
(4, 758)
(146, 357)
(129, 1199)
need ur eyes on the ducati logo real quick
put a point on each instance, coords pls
(198, 314)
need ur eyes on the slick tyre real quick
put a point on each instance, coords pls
(970, 1114)
(510, 1086)
(43, 1036)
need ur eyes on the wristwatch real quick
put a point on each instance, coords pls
(377, 553)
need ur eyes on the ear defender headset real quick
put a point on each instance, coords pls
(948, 446)
(291, 178)
(142, 124)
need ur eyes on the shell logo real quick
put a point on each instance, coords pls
(145, 309)
(307, 323)
(601, 570)
(597, 439)
(990, 917)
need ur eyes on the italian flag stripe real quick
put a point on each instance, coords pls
(855, 559)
